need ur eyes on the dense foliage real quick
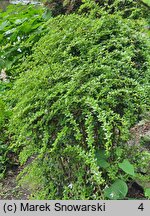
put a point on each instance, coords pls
(128, 8)
(20, 29)
(70, 90)
(83, 87)
(4, 116)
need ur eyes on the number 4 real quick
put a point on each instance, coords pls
(141, 207)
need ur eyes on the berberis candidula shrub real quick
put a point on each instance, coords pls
(78, 94)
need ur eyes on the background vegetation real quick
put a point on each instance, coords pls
(72, 86)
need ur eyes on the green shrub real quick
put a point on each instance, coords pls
(128, 8)
(83, 87)
(4, 116)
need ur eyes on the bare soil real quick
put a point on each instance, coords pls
(9, 189)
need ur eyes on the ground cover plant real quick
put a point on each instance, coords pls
(79, 93)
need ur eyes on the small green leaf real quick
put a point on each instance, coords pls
(127, 167)
(118, 190)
